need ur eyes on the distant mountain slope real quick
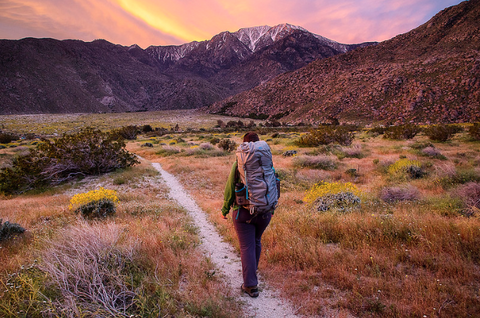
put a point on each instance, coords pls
(51, 76)
(430, 74)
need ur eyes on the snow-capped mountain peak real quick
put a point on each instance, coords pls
(251, 36)
(258, 37)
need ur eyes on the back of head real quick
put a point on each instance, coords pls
(250, 137)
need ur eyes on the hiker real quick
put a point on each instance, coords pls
(252, 191)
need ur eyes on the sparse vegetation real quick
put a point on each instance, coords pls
(408, 222)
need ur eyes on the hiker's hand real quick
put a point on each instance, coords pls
(224, 217)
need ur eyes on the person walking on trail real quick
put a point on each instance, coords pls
(252, 190)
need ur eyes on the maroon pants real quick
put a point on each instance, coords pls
(249, 236)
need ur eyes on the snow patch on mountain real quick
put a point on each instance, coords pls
(251, 36)
(253, 39)
(173, 52)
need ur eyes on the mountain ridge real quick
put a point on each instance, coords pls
(48, 75)
(430, 74)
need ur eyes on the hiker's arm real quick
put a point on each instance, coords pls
(229, 194)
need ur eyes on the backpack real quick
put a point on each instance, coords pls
(258, 179)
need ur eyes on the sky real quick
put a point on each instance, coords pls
(174, 22)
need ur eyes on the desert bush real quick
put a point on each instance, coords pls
(89, 152)
(448, 176)
(6, 138)
(127, 132)
(206, 146)
(95, 204)
(326, 196)
(352, 152)
(433, 152)
(289, 153)
(377, 130)
(214, 140)
(402, 132)
(235, 124)
(327, 135)
(8, 229)
(469, 193)
(146, 128)
(315, 162)
(227, 145)
(166, 151)
(406, 167)
(474, 131)
(441, 132)
(396, 194)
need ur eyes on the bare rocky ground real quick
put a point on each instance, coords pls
(226, 259)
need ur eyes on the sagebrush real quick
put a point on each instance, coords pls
(89, 152)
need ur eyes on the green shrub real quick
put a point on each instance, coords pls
(402, 132)
(326, 196)
(89, 152)
(377, 130)
(8, 229)
(441, 132)
(6, 138)
(94, 204)
(326, 135)
(474, 131)
(406, 167)
(448, 177)
(97, 209)
(127, 132)
(146, 128)
(227, 145)
(214, 140)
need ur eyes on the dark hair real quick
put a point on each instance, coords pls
(250, 136)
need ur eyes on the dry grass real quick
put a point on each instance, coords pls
(386, 260)
(143, 261)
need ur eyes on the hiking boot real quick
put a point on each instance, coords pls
(251, 291)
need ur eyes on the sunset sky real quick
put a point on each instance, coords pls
(162, 22)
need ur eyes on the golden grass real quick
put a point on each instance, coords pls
(398, 260)
(168, 274)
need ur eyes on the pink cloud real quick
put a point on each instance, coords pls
(152, 22)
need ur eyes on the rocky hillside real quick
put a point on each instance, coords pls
(431, 74)
(51, 76)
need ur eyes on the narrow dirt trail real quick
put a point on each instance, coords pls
(225, 258)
